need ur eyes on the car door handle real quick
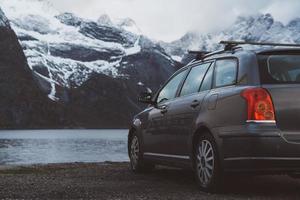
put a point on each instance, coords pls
(164, 109)
(195, 103)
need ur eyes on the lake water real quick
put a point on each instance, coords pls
(62, 146)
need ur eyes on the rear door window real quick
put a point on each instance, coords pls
(276, 69)
(225, 72)
(194, 79)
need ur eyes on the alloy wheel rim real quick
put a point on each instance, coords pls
(205, 162)
(134, 151)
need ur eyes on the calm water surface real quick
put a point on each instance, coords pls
(62, 146)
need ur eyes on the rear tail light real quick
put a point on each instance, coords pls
(260, 105)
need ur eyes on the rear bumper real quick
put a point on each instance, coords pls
(258, 148)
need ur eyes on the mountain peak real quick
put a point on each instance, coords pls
(295, 23)
(104, 20)
(126, 22)
(129, 25)
(266, 19)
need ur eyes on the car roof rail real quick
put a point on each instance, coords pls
(213, 53)
(232, 45)
(199, 54)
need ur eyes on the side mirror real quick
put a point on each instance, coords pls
(146, 97)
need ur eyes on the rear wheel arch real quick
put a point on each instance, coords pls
(212, 181)
(195, 137)
(200, 131)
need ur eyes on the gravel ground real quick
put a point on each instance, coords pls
(115, 181)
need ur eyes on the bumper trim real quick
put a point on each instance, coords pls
(166, 155)
(262, 121)
(262, 158)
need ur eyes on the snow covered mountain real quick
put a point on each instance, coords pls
(249, 28)
(22, 103)
(93, 70)
(64, 50)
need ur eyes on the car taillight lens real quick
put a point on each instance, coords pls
(260, 105)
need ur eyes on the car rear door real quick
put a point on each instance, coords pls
(183, 111)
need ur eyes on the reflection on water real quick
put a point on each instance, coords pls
(60, 146)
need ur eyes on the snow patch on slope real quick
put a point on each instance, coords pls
(41, 32)
(135, 49)
(177, 58)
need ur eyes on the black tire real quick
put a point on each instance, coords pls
(137, 163)
(207, 165)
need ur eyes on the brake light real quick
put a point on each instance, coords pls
(260, 105)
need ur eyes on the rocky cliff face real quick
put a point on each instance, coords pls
(22, 103)
(90, 68)
(64, 51)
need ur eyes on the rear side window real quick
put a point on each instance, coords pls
(225, 72)
(276, 69)
(193, 81)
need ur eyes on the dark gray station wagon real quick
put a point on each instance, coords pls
(233, 110)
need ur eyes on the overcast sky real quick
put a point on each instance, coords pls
(170, 19)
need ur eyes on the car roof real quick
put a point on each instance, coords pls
(238, 51)
(275, 50)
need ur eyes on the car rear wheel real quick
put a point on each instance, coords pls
(207, 169)
(137, 162)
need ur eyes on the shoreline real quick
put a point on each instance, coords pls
(114, 180)
(4, 167)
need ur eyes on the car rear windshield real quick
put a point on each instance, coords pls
(279, 69)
